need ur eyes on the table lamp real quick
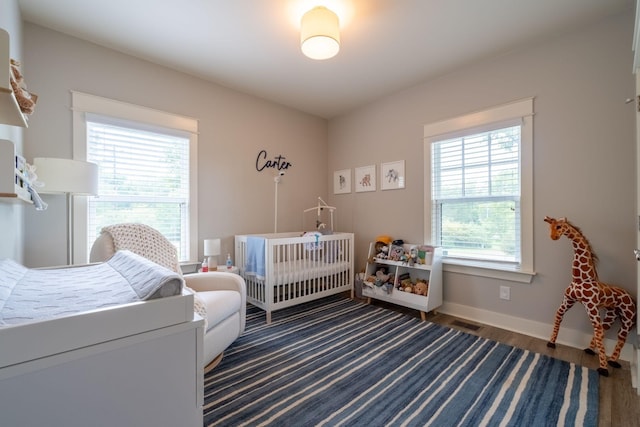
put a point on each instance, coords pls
(211, 251)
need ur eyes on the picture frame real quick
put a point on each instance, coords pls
(342, 181)
(392, 175)
(365, 178)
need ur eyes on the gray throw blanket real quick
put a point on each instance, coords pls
(33, 294)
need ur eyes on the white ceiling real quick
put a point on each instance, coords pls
(253, 45)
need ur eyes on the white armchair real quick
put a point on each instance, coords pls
(220, 296)
(225, 299)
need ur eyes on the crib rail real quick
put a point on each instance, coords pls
(297, 268)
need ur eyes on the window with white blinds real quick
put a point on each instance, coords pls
(476, 195)
(479, 191)
(144, 177)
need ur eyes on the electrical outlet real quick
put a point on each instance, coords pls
(505, 293)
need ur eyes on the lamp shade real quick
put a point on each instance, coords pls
(211, 247)
(320, 33)
(66, 176)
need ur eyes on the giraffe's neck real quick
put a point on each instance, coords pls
(583, 268)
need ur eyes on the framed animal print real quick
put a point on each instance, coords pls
(392, 175)
(342, 181)
(365, 177)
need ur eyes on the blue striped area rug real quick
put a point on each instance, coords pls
(340, 362)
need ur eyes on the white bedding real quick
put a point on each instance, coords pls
(305, 269)
(30, 294)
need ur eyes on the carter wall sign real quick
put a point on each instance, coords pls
(278, 163)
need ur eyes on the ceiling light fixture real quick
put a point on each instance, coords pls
(320, 33)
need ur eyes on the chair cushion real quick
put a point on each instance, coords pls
(220, 305)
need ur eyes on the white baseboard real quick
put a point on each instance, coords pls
(569, 337)
(634, 369)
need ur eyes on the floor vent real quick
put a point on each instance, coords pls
(465, 325)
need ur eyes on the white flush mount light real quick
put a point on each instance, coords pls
(320, 33)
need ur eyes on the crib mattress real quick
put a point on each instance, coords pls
(306, 269)
(28, 295)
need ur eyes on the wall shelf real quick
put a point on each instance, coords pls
(13, 180)
(10, 113)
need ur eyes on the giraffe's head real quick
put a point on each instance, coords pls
(557, 227)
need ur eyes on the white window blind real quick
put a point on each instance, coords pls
(476, 194)
(144, 177)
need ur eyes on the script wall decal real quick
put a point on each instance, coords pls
(279, 162)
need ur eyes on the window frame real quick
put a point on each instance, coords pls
(83, 104)
(491, 118)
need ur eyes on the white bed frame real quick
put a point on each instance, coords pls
(295, 272)
(132, 364)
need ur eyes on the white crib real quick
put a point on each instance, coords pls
(296, 268)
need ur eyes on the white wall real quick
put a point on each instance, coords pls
(233, 197)
(11, 216)
(584, 162)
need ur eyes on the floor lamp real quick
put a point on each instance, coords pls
(69, 177)
(277, 179)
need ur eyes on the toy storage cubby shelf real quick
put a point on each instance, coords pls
(10, 113)
(431, 272)
(13, 181)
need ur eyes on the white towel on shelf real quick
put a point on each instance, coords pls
(255, 257)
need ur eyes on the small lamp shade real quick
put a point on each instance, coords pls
(211, 247)
(320, 33)
(211, 252)
(66, 176)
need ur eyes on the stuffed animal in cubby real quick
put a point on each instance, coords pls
(381, 277)
(421, 287)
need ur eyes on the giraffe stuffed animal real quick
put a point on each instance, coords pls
(587, 289)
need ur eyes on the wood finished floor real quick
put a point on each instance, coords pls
(619, 402)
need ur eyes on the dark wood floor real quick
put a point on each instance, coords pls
(619, 402)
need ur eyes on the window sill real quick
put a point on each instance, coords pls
(487, 269)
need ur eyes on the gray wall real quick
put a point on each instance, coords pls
(584, 153)
(233, 197)
(584, 160)
(11, 213)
